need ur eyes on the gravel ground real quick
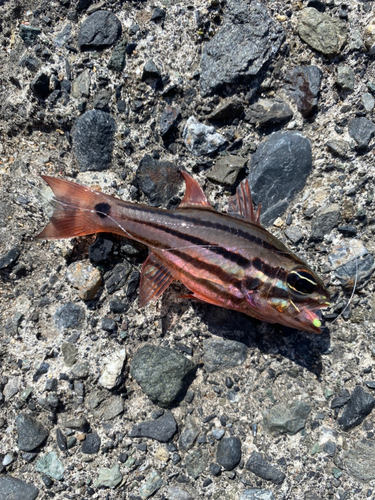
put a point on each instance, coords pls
(183, 400)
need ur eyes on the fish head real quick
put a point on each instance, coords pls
(291, 297)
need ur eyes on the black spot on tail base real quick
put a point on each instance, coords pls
(102, 210)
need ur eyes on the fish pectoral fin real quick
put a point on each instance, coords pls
(241, 204)
(155, 279)
(194, 195)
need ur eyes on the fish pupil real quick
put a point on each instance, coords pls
(302, 282)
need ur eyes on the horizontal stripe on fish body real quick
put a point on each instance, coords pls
(169, 229)
(168, 233)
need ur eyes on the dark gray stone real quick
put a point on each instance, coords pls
(324, 221)
(341, 400)
(10, 258)
(91, 444)
(42, 370)
(338, 147)
(196, 462)
(31, 63)
(64, 35)
(150, 70)
(345, 77)
(69, 316)
(61, 440)
(80, 371)
(118, 307)
(159, 180)
(215, 469)
(359, 460)
(294, 234)
(218, 434)
(220, 354)
(116, 278)
(303, 84)
(278, 171)
(99, 30)
(362, 130)
(286, 418)
(162, 373)
(268, 113)
(189, 434)
(228, 110)
(31, 433)
(133, 283)
(117, 60)
(93, 134)
(102, 100)
(29, 34)
(162, 429)
(261, 468)
(100, 252)
(226, 170)
(322, 32)
(69, 352)
(168, 120)
(368, 102)
(40, 86)
(78, 423)
(158, 14)
(14, 489)
(108, 324)
(229, 452)
(245, 43)
(360, 405)
(347, 230)
(81, 85)
(330, 448)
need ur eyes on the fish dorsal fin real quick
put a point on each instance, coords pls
(155, 279)
(194, 195)
(241, 204)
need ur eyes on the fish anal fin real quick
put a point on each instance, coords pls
(155, 279)
(201, 298)
(194, 195)
(241, 204)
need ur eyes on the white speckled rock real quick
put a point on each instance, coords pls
(112, 371)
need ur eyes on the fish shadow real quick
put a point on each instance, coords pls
(302, 348)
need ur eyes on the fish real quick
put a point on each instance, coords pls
(225, 259)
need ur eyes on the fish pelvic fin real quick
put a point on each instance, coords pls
(155, 279)
(78, 210)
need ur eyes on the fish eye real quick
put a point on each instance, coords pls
(301, 281)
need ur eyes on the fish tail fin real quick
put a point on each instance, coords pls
(78, 210)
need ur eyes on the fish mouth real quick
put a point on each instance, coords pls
(310, 317)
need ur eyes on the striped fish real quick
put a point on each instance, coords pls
(228, 260)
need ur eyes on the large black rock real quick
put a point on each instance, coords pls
(99, 30)
(278, 171)
(242, 48)
(93, 134)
